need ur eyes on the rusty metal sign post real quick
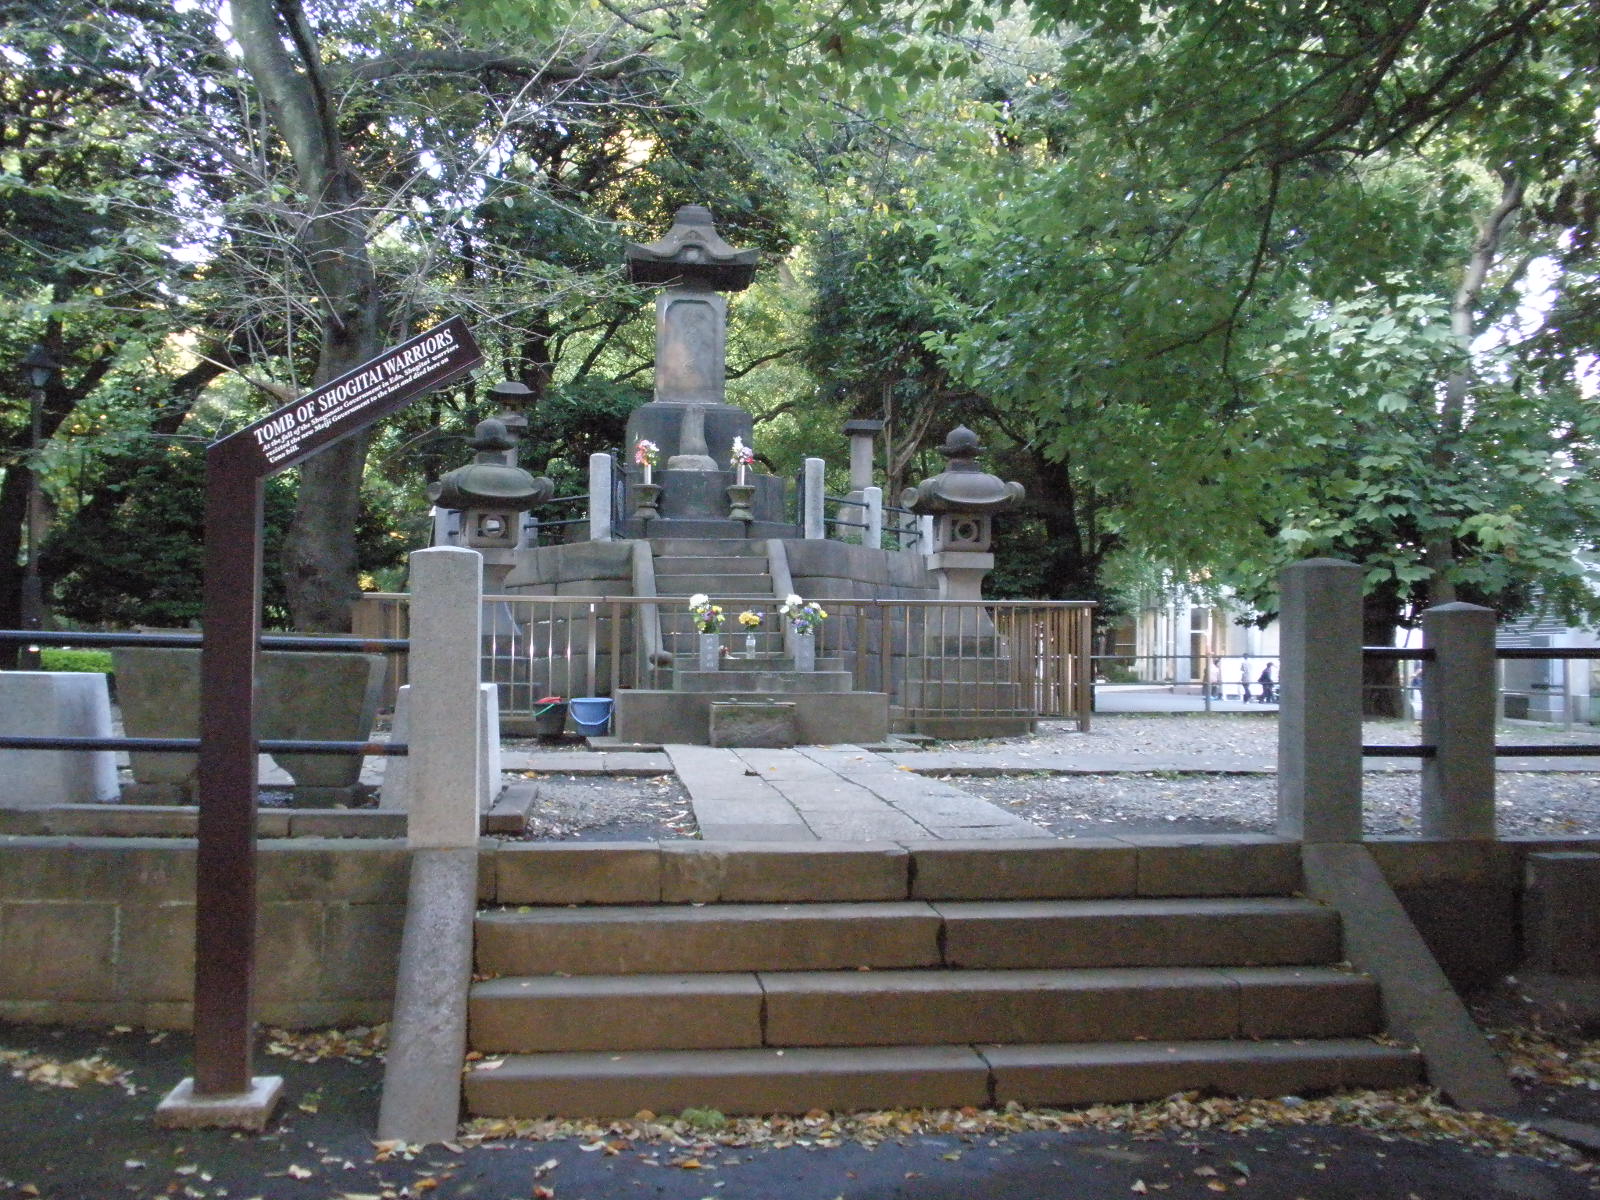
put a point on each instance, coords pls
(223, 1089)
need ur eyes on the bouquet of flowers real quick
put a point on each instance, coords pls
(804, 615)
(750, 619)
(645, 453)
(743, 456)
(707, 616)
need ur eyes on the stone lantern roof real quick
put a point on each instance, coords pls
(692, 252)
(962, 487)
(487, 482)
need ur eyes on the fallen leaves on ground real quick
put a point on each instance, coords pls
(1411, 1112)
(54, 1072)
(315, 1045)
(1535, 1055)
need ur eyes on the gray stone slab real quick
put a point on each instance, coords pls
(184, 1108)
(1419, 1003)
(844, 824)
(907, 1007)
(1024, 869)
(831, 871)
(428, 1039)
(746, 832)
(1121, 1071)
(1129, 932)
(731, 1081)
(577, 873)
(55, 704)
(616, 1012)
(681, 938)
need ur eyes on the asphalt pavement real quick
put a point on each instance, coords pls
(98, 1141)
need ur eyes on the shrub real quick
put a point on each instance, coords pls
(75, 660)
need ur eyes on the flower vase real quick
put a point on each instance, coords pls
(740, 496)
(750, 645)
(805, 650)
(646, 499)
(710, 652)
(645, 478)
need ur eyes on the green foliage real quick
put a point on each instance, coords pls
(62, 659)
(139, 562)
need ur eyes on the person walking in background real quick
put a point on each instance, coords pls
(1244, 680)
(1269, 688)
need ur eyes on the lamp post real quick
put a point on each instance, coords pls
(40, 368)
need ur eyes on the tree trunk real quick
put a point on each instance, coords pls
(1439, 550)
(1380, 681)
(319, 557)
(13, 512)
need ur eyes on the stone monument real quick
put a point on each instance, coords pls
(689, 420)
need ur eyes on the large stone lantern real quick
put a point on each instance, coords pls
(490, 494)
(962, 499)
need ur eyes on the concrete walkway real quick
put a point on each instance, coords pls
(830, 793)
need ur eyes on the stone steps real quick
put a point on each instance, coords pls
(1132, 932)
(842, 1080)
(718, 564)
(916, 1007)
(709, 548)
(756, 1005)
(725, 589)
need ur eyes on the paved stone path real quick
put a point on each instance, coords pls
(830, 793)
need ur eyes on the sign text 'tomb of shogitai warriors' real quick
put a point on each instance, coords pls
(359, 397)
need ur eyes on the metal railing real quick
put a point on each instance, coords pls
(1502, 655)
(931, 656)
(194, 641)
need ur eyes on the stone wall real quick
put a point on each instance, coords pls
(574, 569)
(839, 570)
(99, 931)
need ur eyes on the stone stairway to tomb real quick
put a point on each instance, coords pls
(752, 979)
(755, 696)
(734, 572)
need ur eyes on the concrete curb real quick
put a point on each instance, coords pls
(428, 1035)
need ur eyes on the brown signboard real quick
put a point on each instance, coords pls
(357, 398)
(225, 869)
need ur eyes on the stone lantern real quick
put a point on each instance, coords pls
(490, 494)
(962, 499)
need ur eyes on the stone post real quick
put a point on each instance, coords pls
(814, 528)
(1458, 703)
(873, 537)
(446, 614)
(599, 497)
(861, 434)
(925, 535)
(1319, 709)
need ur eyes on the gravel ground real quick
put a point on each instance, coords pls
(1550, 805)
(608, 808)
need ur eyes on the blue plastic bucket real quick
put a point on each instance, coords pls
(591, 714)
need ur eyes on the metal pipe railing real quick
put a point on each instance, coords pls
(196, 641)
